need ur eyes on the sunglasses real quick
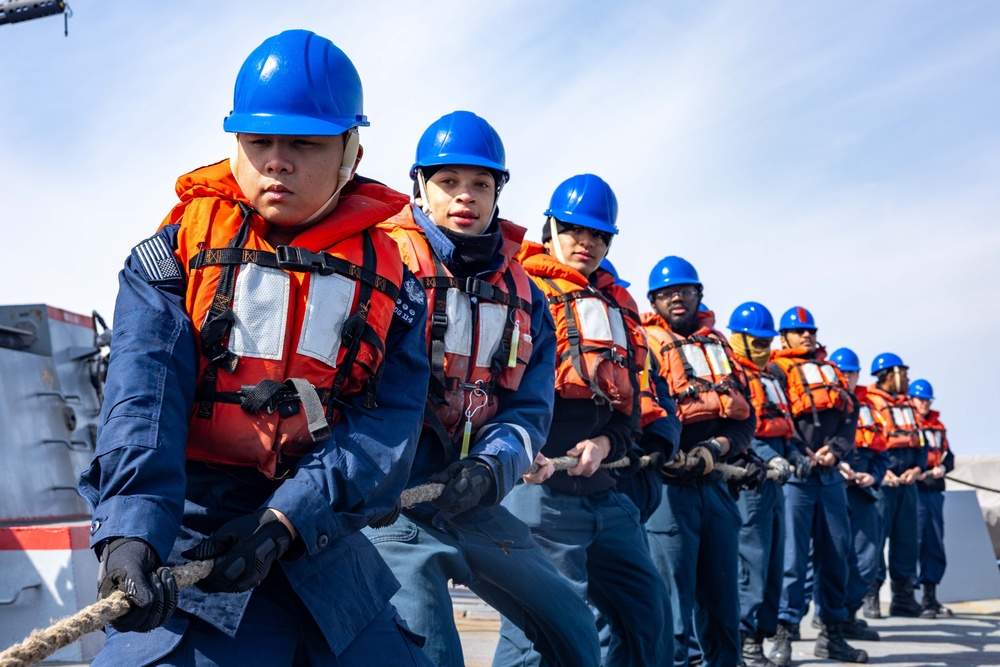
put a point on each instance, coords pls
(801, 332)
(573, 230)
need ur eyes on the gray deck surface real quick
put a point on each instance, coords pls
(972, 637)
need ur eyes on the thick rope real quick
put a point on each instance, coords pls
(43, 643)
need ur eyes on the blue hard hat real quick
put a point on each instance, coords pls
(585, 200)
(672, 270)
(921, 389)
(753, 318)
(297, 83)
(797, 317)
(886, 360)
(845, 359)
(461, 137)
(610, 268)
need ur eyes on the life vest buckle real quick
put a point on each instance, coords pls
(439, 324)
(293, 258)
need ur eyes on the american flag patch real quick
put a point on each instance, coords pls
(156, 259)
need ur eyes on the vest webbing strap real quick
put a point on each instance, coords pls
(697, 384)
(219, 321)
(573, 333)
(294, 258)
(357, 330)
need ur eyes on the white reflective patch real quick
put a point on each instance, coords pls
(327, 307)
(812, 374)
(492, 317)
(829, 373)
(260, 306)
(594, 323)
(930, 439)
(865, 417)
(718, 360)
(773, 391)
(458, 335)
(618, 334)
(695, 357)
(903, 416)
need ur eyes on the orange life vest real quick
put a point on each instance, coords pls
(933, 437)
(600, 345)
(896, 417)
(814, 384)
(869, 432)
(270, 322)
(478, 331)
(774, 415)
(701, 370)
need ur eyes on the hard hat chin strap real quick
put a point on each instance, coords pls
(556, 246)
(422, 186)
(344, 174)
(895, 373)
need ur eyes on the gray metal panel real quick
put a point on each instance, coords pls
(972, 569)
(37, 474)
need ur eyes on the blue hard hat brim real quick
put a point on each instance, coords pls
(259, 123)
(848, 369)
(582, 221)
(756, 333)
(461, 159)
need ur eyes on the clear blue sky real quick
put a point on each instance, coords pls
(840, 156)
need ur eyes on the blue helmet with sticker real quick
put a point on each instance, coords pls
(845, 359)
(585, 200)
(461, 138)
(797, 317)
(886, 360)
(754, 319)
(921, 389)
(297, 83)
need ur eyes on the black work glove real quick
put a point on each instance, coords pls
(756, 470)
(466, 482)
(244, 550)
(131, 566)
(635, 463)
(782, 470)
(703, 456)
(800, 462)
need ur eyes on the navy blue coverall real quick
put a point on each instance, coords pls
(328, 606)
(816, 509)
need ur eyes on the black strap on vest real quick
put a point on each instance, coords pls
(219, 321)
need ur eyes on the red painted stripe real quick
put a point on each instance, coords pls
(44, 538)
(61, 315)
(802, 315)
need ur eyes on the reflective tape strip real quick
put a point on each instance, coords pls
(618, 333)
(696, 359)
(865, 417)
(492, 317)
(718, 360)
(327, 308)
(594, 321)
(812, 374)
(458, 335)
(830, 374)
(773, 391)
(260, 304)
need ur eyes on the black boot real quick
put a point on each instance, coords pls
(870, 607)
(781, 654)
(753, 652)
(930, 607)
(857, 629)
(830, 644)
(903, 603)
